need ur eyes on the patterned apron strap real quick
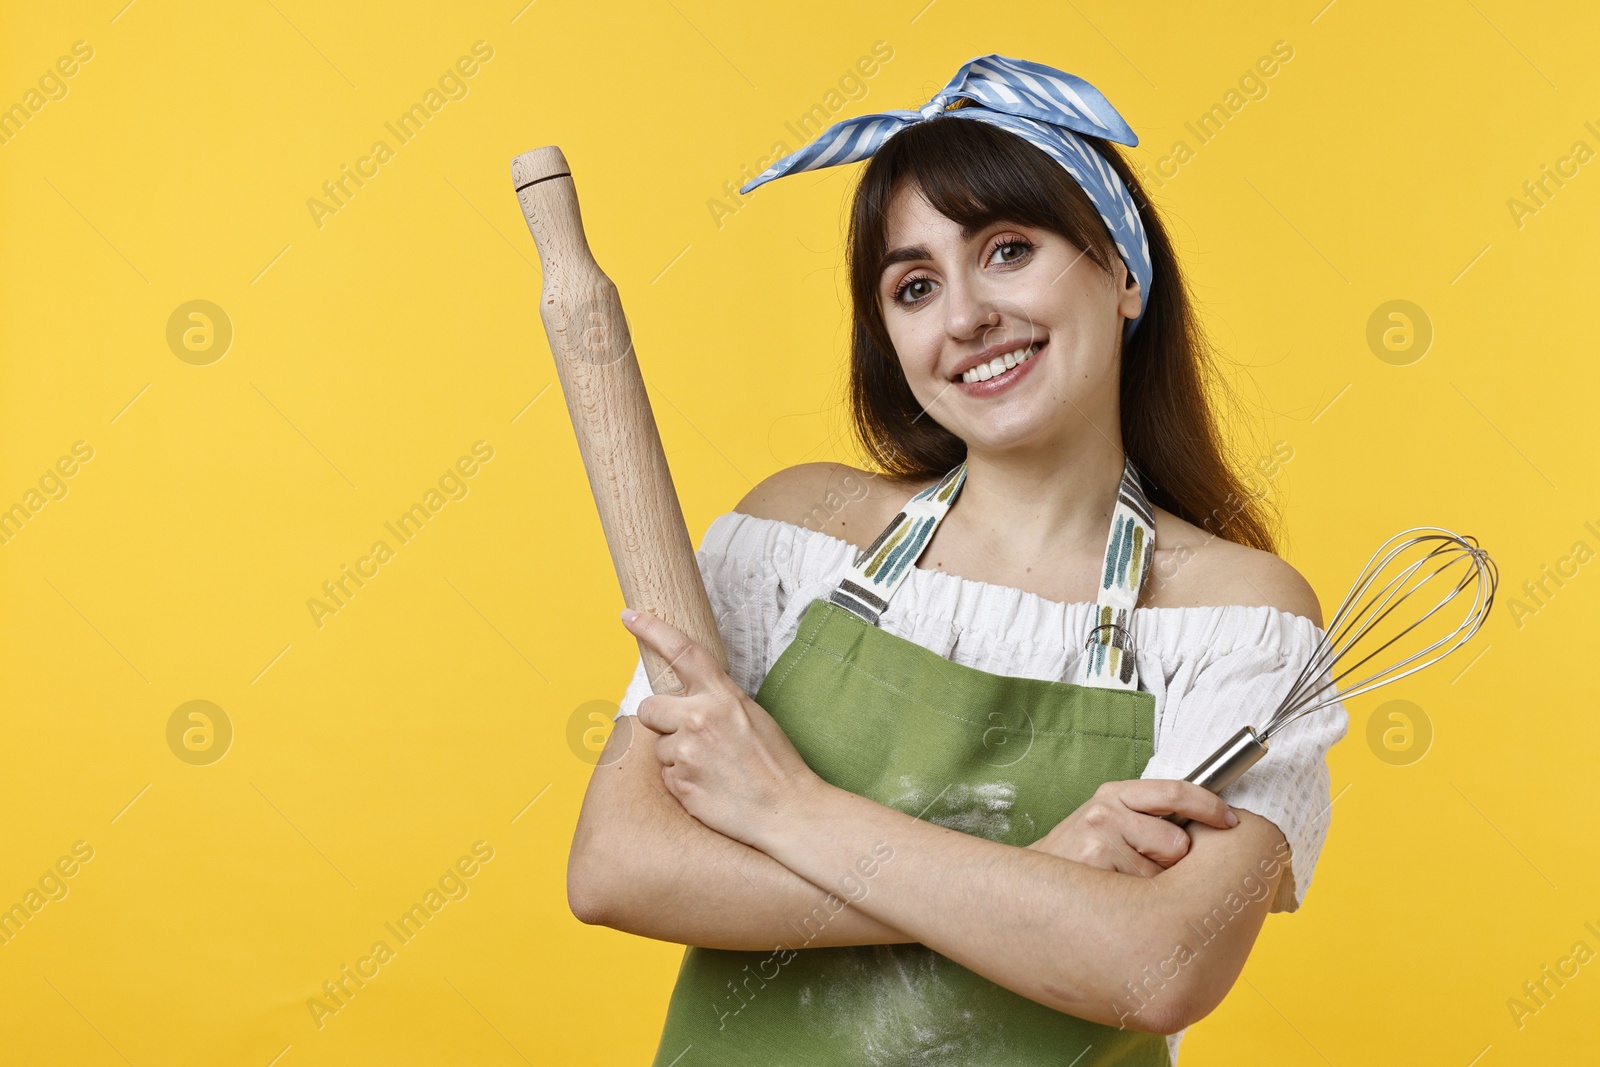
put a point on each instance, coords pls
(1108, 660)
(879, 568)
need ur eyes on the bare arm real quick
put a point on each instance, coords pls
(1073, 937)
(642, 864)
(1098, 944)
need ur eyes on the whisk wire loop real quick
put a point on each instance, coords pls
(1358, 615)
(1385, 586)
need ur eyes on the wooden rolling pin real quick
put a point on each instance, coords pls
(612, 418)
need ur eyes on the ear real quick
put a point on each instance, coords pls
(1130, 300)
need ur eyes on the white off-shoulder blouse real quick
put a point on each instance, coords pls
(1210, 669)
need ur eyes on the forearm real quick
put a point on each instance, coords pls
(657, 871)
(1061, 933)
(1067, 935)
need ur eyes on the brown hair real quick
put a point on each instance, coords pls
(976, 174)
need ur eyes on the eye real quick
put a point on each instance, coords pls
(907, 283)
(1023, 248)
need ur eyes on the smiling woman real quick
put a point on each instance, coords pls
(977, 178)
(1012, 718)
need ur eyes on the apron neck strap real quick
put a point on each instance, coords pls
(880, 567)
(1107, 661)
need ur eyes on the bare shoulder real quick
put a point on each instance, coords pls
(831, 498)
(1194, 568)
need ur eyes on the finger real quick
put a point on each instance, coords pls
(1125, 856)
(666, 750)
(1169, 796)
(661, 713)
(1142, 865)
(1157, 839)
(688, 659)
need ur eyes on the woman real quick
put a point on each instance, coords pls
(919, 841)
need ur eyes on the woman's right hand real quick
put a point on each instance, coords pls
(1121, 827)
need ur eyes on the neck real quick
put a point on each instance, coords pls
(1042, 504)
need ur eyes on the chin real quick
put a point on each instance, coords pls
(1011, 436)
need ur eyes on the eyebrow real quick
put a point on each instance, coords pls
(910, 252)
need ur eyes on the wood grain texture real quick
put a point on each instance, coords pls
(611, 416)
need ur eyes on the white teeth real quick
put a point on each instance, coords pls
(999, 364)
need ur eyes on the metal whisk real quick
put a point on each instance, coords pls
(1390, 579)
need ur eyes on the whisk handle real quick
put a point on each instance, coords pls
(1237, 755)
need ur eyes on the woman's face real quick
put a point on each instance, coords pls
(949, 298)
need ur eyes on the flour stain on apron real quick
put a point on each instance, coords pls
(896, 1002)
(983, 809)
(896, 999)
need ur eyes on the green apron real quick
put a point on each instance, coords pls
(999, 757)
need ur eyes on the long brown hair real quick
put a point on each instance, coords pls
(977, 174)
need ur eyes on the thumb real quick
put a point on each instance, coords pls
(688, 659)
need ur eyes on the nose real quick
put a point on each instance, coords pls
(971, 311)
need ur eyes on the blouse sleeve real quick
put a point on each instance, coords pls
(742, 585)
(1290, 785)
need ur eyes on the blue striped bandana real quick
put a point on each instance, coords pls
(1046, 107)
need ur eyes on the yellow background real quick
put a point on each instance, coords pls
(432, 711)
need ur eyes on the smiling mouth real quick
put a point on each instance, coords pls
(999, 364)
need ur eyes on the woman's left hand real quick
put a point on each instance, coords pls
(727, 761)
(1123, 826)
